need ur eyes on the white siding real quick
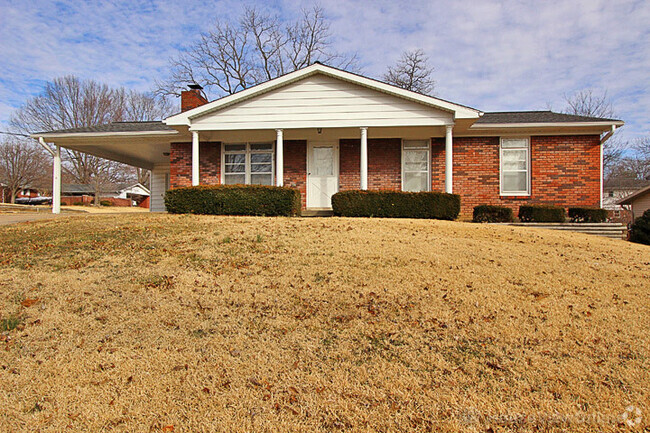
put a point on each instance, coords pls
(159, 185)
(320, 102)
(640, 205)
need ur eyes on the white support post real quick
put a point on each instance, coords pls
(364, 158)
(449, 161)
(602, 174)
(279, 157)
(195, 157)
(56, 181)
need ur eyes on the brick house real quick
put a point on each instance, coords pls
(323, 130)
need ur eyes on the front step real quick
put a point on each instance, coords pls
(609, 230)
(317, 213)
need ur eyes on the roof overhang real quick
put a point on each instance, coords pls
(630, 198)
(603, 125)
(185, 118)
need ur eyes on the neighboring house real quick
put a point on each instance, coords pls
(323, 130)
(25, 192)
(78, 190)
(617, 189)
(137, 193)
(639, 201)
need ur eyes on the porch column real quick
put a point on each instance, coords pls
(195, 157)
(56, 181)
(449, 161)
(279, 158)
(364, 158)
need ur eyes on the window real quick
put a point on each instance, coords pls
(415, 165)
(515, 166)
(248, 163)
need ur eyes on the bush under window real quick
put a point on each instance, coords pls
(396, 204)
(640, 230)
(587, 215)
(492, 214)
(541, 214)
(234, 200)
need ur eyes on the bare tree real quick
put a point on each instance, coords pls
(69, 102)
(22, 163)
(592, 104)
(412, 72)
(259, 47)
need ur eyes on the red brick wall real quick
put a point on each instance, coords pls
(191, 99)
(384, 163)
(180, 164)
(295, 166)
(565, 171)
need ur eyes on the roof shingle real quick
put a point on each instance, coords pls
(536, 117)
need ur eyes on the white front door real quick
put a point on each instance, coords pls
(322, 174)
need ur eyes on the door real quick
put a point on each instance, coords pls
(322, 174)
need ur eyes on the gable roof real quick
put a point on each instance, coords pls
(630, 198)
(459, 111)
(539, 118)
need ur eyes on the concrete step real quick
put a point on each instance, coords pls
(609, 230)
(317, 213)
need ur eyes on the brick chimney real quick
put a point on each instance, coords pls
(192, 98)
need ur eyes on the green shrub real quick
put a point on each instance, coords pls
(396, 204)
(587, 215)
(493, 214)
(234, 200)
(541, 214)
(106, 203)
(640, 230)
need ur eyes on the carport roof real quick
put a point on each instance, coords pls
(149, 126)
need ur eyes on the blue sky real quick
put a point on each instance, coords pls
(492, 55)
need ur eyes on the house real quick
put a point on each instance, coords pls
(639, 201)
(25, 192)
(615, 190)
(323, 130)
(83, 194)
(137, 193)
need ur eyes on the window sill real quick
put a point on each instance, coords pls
(515, 196)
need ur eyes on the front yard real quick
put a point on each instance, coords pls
(160, 323)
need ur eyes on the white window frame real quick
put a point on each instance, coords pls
(247, 161)
(528, 167)
(426, 147)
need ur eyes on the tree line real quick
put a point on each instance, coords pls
(230, 57)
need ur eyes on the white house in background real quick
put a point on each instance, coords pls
(134, 190)
(639, 201)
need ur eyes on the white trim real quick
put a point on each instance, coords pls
(543, 125)
(335, 160)
(279, 157)
(427, 147)
(56, 181)
(528, 169)
(195, 158)
(185, 118)
(363, 158)
(449, 160)
(102, 134)
(247, 162)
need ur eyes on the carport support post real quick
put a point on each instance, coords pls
(364, 158)
(195, 157)
(449, 161)
(279, 157)
(56, 181)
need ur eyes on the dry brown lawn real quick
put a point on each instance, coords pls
(139, 323)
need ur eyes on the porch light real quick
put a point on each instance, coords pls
(319, 130)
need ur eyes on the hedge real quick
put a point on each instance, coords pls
(541, 214)
(587, 215)
(234, 200)
(396, 204)
(640, 230)
(493, 214)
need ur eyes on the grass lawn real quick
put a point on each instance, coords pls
(140, 323)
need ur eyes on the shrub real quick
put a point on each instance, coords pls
(640, 230)
(587, 215)
(396, 204)
(493, 214)
(541, 214)
(234, 200)
(105, 203)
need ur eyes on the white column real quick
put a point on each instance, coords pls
(449, 161)
(364, 158)
(195, 157)
(602, 174)
(279, 157)
(56, 181)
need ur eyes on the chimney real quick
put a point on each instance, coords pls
(193, 97)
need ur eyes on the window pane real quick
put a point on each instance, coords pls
(416, 156)
(261, 168)
(261, 179)
(415, 182)
(323, 161)
(231, 179)
(410, 144)
(514, 142)
(514, 165)
(234, 147)
(238, 158)
(515, 182)
(261, 146)
(261, 157)
(415, 166)
(235, 168)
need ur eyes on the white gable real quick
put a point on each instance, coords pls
(322, 101)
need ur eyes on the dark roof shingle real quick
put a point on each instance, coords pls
(536, 117)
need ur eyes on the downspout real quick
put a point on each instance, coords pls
(602, 161)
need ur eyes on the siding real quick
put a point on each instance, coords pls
(159, 184)
(322, 101)
(640, 205)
